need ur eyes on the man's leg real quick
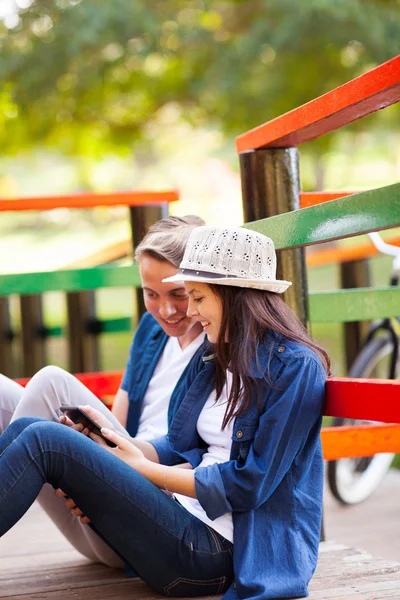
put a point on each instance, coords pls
(174, 552)
(10, 394)
(52, 387)
(49, 389)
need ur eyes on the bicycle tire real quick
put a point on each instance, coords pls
(352, 481)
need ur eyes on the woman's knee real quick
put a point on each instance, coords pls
(42, 430)
(19, 425)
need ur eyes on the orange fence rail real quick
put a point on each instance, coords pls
(327, 256)
(312, 198)
(89, 200)
(359, 97)
(359, 440)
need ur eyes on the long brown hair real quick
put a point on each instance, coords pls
(247, 316)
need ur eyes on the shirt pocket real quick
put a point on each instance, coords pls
(243, 435)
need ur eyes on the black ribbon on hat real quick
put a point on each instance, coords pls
(207, 274)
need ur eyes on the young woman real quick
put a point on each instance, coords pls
(164, 344)
(246, 518)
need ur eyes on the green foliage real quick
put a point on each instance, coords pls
(89, 75)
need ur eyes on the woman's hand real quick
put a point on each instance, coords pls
(70, 504)
(91, 412)
(97, 416)
(125, 450)
(171, 479)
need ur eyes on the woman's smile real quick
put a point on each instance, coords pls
(206, 308)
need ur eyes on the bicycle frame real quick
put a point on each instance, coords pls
(387, 325)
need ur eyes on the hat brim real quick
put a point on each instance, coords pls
(278, 286)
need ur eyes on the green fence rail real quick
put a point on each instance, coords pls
(69, 280)
(117, 325)
(361, 304)
(345, 217)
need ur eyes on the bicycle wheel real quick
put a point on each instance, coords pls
(352, 480)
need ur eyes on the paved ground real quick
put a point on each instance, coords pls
(373, 525)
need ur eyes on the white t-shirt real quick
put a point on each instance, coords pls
(153, 421)
(219, 448)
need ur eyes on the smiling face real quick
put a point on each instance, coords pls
(206, 307)
(167, 302)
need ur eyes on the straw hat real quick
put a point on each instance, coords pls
(230, 256)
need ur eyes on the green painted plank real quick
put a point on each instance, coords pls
(69, 280)
(55, 331)
(360, 304)
(116, 325)
(344, 217)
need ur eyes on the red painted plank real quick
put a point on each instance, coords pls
(101, 384)
(357, 98)
(369, 399)
(361, 440)
(88, 200)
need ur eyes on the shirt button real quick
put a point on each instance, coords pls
(281, 349)
(235, 585)
(239, 434)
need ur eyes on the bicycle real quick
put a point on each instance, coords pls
(353, 480)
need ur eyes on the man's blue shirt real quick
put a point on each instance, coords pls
(147, 346)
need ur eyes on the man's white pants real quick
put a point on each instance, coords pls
(50, 388)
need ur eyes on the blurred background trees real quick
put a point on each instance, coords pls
(141, 93)
(88, 76)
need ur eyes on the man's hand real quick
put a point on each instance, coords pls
(70, 504)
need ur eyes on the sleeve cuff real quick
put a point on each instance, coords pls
(210, 491)
(166, 454)
(124, 385)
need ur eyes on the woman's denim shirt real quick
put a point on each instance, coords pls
(273, 481)
(146, 348)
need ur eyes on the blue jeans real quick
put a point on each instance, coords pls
(172, 551)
